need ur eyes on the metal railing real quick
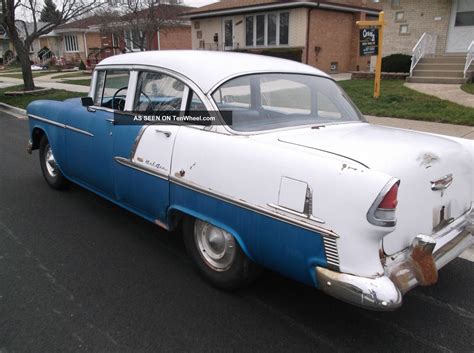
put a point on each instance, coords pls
(469, 58)
(426, 46)
(219, 46)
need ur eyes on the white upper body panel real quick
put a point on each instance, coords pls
(208, 68)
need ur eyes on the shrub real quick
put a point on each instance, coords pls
(82, 66)
(290, 54)
(396, 63)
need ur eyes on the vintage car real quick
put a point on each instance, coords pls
(297, 181)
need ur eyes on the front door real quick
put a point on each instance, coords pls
(228, 34)
(90, 133)
(141, 174)
(461, 26)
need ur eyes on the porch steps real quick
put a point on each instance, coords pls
(441, 69)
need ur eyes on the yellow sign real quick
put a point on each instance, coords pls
(378, 67)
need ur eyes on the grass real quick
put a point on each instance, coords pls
(398, 101)
(73, 74)
(85, 82)
(23, 101)
(468, 87)
(20, 75)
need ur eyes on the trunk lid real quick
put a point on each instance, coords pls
(417, 159)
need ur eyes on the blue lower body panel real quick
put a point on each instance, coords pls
(287, 249)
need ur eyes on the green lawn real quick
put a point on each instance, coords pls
(73, 74)
(20, 75)
(468, 87)
(398, 101)
(23, 101)
(85, 82)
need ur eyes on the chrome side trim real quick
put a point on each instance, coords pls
(75, 129)
(304, 223)
(128, 163)
(63, 126)
(48, 121)
(332, 254)
(303, 215)
(137, 140)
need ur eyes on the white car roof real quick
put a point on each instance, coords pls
(208, 68)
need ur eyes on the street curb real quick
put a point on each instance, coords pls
(18, 112)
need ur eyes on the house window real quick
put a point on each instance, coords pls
(395, 3)
(403, 29)
(71, 43)
(267, 29)
(249, 31)
(260, 30)
(133, 40)
(284, 27)
(464, 13)
(399, 16)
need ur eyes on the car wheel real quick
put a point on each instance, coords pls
(51, 172)
(218, 255)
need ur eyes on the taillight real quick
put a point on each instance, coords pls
(382, 211)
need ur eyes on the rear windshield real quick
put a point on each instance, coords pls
(272, 101)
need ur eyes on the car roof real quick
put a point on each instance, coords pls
(208, 68)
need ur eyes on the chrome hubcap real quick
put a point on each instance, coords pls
(215, 245)
(50, 162)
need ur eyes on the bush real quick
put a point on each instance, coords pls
(82, 66)
(290, 54)
(396, 63)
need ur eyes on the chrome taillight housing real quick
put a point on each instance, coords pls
(382, 212)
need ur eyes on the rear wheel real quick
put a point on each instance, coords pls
(49, 167)
(218, 255)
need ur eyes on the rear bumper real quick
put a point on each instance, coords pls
(417, 265)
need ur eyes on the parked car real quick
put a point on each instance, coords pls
(297, 181)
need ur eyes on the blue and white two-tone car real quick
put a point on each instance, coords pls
(297, 181)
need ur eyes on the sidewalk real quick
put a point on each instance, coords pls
(463, 131)
(47, 84)
(452, 93)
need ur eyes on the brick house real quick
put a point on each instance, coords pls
(320, 33)
(452, 21)
(86, 40)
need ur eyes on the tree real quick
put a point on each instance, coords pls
(138, 20)
(22, 34)
(50, 13)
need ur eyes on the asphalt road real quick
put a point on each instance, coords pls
(80, 274)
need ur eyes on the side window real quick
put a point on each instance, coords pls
(195, 103)
(158, 92)
(111, 89)
(234, 94)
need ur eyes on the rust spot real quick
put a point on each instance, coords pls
(425, 266)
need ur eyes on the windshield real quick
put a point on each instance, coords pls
(273, 101)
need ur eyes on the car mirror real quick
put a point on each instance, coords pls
(87, 101)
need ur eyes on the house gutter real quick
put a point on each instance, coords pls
(312, 5)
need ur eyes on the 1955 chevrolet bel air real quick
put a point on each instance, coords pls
(297, 181)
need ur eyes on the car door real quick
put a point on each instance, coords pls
(89, 140)
(142, 171)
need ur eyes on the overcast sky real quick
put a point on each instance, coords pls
(198, 3)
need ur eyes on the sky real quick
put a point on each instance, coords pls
(198, 3)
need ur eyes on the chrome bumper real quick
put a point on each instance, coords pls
(29, 146)
(415, 266)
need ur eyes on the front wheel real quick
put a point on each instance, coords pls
(218, 255)
(49, 167)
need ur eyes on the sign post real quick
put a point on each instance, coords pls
(371, 39)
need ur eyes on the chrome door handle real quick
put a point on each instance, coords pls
(112, 121)
(166, 133)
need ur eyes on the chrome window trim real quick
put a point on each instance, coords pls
(231, 131)
(63, 126)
